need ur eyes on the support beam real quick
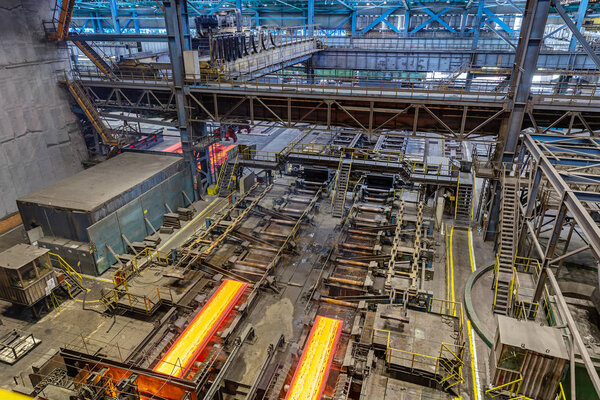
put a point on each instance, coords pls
(114, 13)
(378, 20)
(311, 15)
(576, 32)
(478, 23)
(175, 36)
(583, 4)
(530, 41)
(434, 17)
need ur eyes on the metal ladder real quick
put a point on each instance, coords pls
(81, 97)
(64, 18)
(96, 58)
(343, 178)
(464, 201)
(507, 245)
(73, 278)
(225, 178)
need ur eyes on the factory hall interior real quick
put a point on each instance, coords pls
(299, 199)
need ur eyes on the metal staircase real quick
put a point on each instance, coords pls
(64, 19)
(504, 268)
(464, 201)
(96, 58)
(343, 178)
(73, 279)
(80, 95)
(225, 183)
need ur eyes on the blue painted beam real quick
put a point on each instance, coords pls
(379, 19)
(583, 4)
(114, 12)
(406, 21)
(497, 20)
(311, 13)
(343, 22)
(560, 28)
(85, 24)
(434, 17)
(218, 6)
(593, 197)
(353, 28)
(478, 24)
(392, 27)
(136, 22)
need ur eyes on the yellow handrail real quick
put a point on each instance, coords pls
(337, 176)
(233, 170)
(501, 389)
(422, 361)
(68, 269)
(456, 197)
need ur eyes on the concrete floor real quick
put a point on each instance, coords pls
(284, 312)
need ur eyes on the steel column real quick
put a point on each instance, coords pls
(174, 25)
(478, 23)
(530, 41)
(311, 15)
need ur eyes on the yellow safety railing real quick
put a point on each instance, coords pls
(448, 308)
(222, 172)
(456, 196)
(139, 261)
(447, 365)
(67, 268)
(232, 176)
(261, 155)
(528, 265)
(514, 283)
(561, 392)
(509, 389)
(526, 309)
(337, 176)
(145, 303)
(496, 275)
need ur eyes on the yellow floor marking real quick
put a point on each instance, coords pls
(471, 251)
(473, 362)
(453, 297)
(472, 345)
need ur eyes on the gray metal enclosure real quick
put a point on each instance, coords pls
(98, 208)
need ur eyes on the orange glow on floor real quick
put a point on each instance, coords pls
(311, 374)
(192, 341)
(218, 152)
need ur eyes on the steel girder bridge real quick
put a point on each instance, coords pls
(372, 109)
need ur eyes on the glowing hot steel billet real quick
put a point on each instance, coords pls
(192, 341)
(311, 374)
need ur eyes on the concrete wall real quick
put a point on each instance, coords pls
(40, 139)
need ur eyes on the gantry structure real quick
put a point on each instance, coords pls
(461, 69)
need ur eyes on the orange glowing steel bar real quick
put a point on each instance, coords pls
(192, 341)
(311, 374)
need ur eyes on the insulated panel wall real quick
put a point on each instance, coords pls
(40, 138)
(129, 220)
